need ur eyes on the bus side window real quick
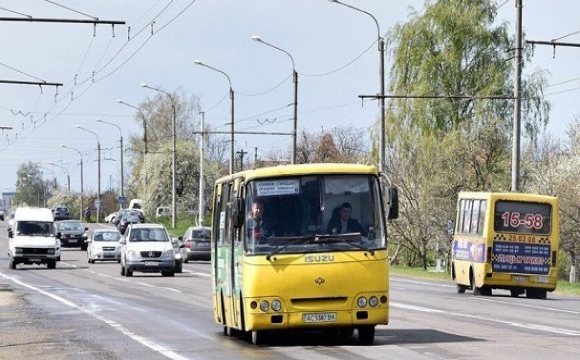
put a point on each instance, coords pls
(466, 204)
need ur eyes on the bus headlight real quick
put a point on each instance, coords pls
(264, 306)
(373, 301)
(362, 302)
(276, 305)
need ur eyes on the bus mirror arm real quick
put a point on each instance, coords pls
(393, 203)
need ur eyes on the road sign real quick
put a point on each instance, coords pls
(122, 200)
(98, 204)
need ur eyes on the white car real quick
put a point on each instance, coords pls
(147, 248)
(103, 244)
(110, 217)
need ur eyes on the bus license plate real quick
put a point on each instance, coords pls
(542, 279)
(519, 278)
(319, 317)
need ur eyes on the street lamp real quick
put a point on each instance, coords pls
(65, 172)
(121, 101)
(121, 141)
(381, 43)
(82, 191)
(173, 155)
(295, 81)
(98, 202)
(198, 62)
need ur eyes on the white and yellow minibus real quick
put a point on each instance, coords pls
(298, 275)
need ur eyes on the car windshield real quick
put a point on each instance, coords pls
(148, 234)
(308, 214)
(32, 228)
(71, 226)
(107, 236)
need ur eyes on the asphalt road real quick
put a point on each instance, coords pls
(89, 311)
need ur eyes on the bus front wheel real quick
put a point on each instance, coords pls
(366, 335)
(257, 337)
(461, 288)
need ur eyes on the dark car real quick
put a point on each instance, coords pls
(128, 218)
(61, 213)
(197, 241)
(72, 234)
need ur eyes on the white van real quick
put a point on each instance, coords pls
(32, 238)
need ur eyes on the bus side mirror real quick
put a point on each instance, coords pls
(450, 227)
(238, 213)
(393, 203)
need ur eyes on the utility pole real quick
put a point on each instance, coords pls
(241, 153)
(517, 100)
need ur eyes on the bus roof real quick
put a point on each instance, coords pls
(505, 196)
(303, 169)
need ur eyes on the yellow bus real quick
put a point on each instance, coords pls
(506, 241)
(298, 272)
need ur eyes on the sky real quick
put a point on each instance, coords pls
(333, 47)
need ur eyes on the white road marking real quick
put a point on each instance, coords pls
(483, 318)
(140, 339)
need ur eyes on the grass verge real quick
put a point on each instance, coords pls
(563, 287)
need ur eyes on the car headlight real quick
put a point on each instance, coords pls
(132, 254)
(178, 256)
(168, 254)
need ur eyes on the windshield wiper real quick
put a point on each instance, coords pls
(323, 239)
(344, 239)
(302, 239)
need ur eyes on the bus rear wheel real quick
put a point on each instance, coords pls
(366, 335)
(516, 292)
(536, 294)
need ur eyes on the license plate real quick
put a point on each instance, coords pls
(151, 263)
(34, 260)
(542, 279)
(319, 317)
(519, 278)
(72, 240)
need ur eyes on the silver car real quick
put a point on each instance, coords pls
(103, 244)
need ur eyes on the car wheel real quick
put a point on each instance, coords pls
(128, 273)
(12, 264)
(122, 270)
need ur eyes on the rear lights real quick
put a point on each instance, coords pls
(187, 244)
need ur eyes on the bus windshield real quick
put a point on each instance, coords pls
(304, 214)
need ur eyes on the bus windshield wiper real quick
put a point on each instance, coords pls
(323, 239)
(344, 238)
(301, 239)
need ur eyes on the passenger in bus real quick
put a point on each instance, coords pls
(341, 222)
(259, 227)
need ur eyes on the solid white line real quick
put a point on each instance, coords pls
(483, 318)
(477, 298)
(140, 339)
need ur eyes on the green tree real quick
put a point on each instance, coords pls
(437, 147)
(31, 189)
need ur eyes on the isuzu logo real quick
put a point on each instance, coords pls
(318, 258)
(319, 281)
(150, 254)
